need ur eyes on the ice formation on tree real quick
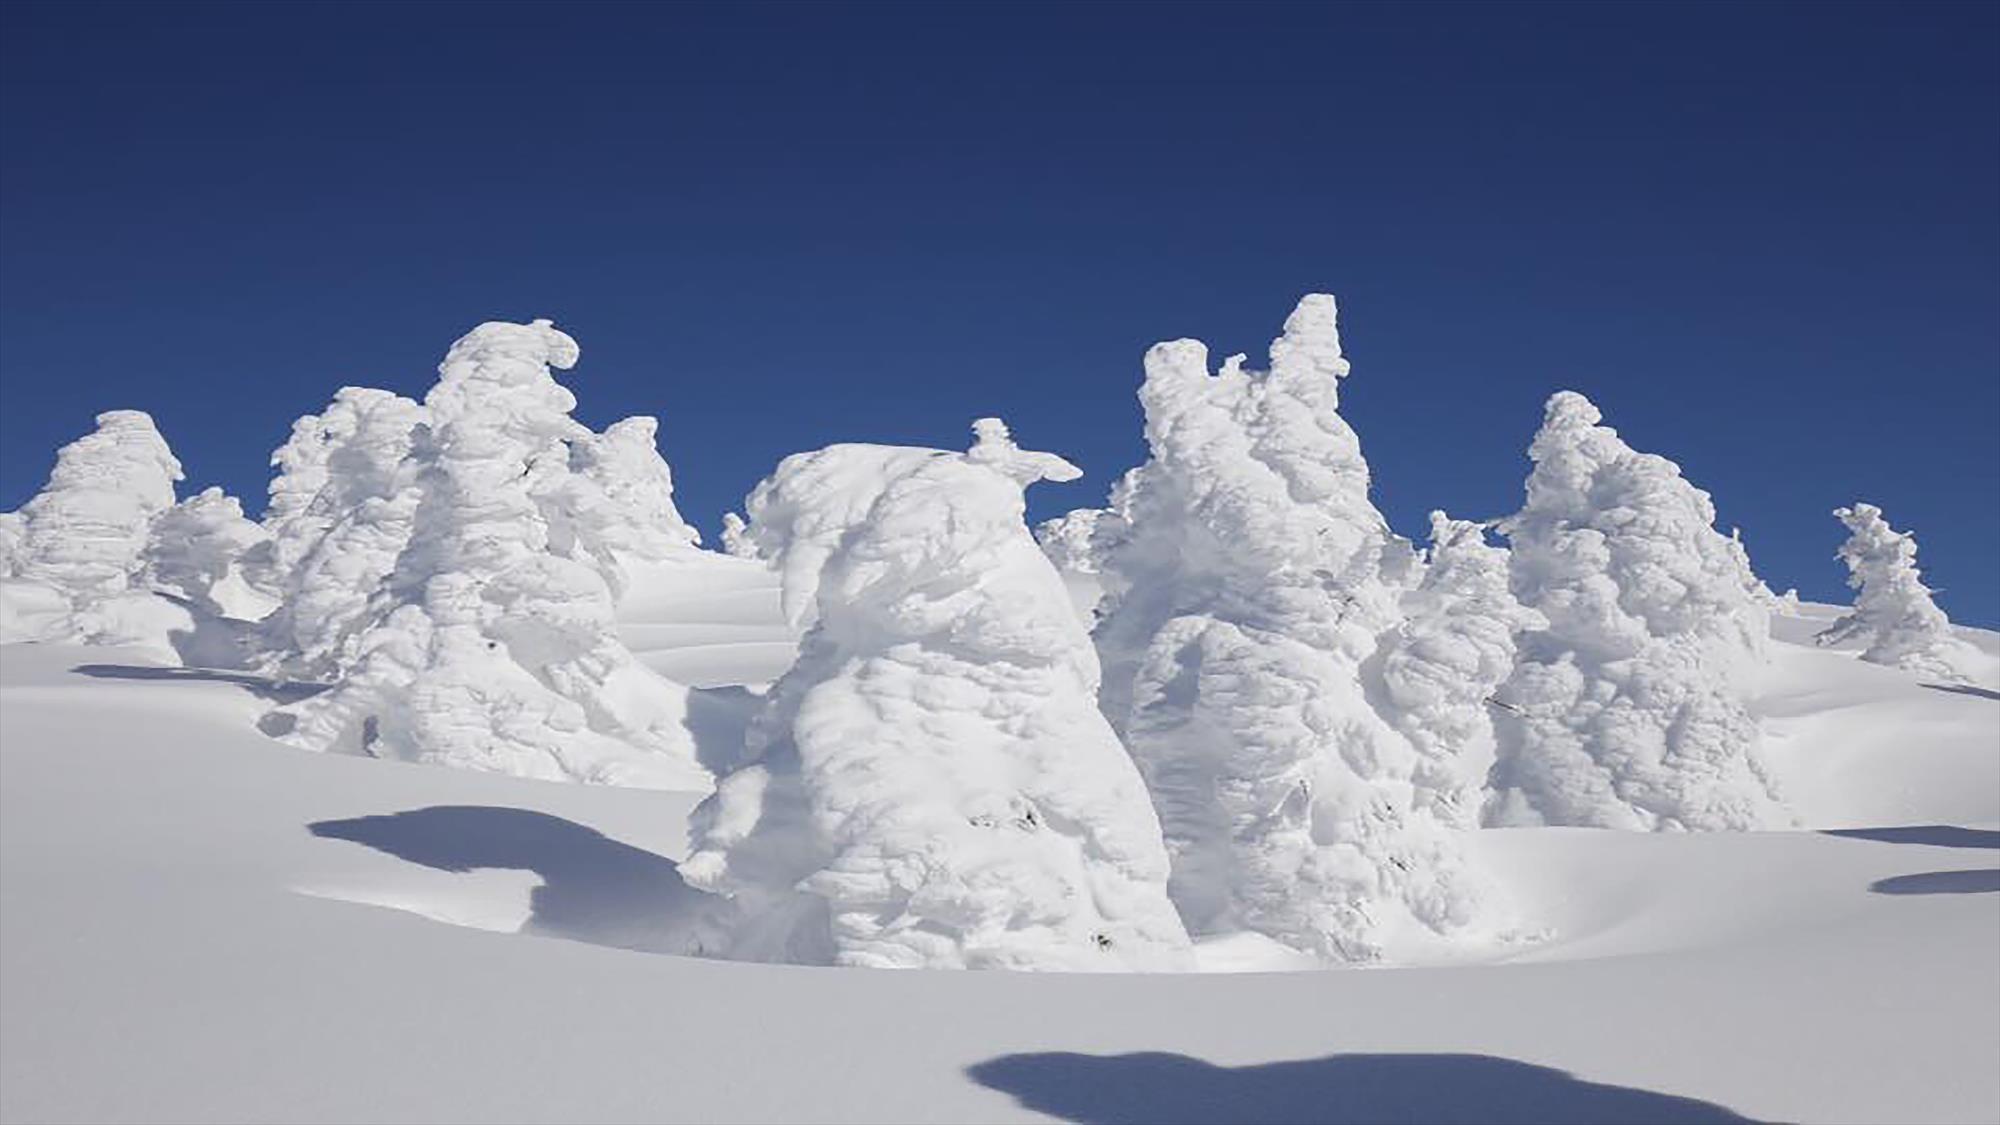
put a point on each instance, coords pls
(736, 539)
(342, 509)
(1442, 667)
(931, 784)
(1249, 585)
(1628, 709)
(1893, 613)
(196, 552)
(475, 626)
(80, 543)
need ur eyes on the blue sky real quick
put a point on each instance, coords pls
(1765, 239)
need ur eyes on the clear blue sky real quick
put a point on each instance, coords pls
(1764, 239)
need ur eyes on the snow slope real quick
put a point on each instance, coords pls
(197, 923)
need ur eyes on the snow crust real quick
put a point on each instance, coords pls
(1628, 709)
(931, 783)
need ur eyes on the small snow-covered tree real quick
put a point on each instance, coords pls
(1629, 707)
(196, 550)
(1249, 586)
(1893, 613)
(485, 644)
(736, 540)
(1443, 665)
(616, 504)
(82, 540)
(931, 784)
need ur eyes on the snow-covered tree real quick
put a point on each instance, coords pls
(1249, 585)
(484, 643)
(195, 553)
(736, 540)
(1628, 709)
(1893, 615)
(931, 784)
(616, 504)
(342, 509)
(1442, 667)
(81, 543)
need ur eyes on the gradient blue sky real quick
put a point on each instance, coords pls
(1765, 239)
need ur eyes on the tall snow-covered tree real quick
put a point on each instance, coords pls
(1893, 613)
(1249, 585)
(82, 540)
(931, 784)
(342, 510)
(1441, 668)
(485, 645)
(1628, 709)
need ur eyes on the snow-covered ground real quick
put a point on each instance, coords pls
(199, 923)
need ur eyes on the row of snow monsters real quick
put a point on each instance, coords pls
(1271, 716)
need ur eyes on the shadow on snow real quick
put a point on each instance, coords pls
(1940, 883)
(1166, 1089)
(1935, 835)
(260, 686)
(594, 889)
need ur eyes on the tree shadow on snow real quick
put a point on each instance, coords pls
(259, 686)
(594, 889)
(1939, 883)
(1935, 835)
(1164, 1089)
(717, 719)
(1966, 689)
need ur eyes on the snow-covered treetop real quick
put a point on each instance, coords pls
(1616, 548)
(88, 525)
(813, 502)
(1254, 481)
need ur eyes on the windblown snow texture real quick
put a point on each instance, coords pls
(1893, 613)
(1250, 585)
(931, 784)
(1628, 709)
(476, 630)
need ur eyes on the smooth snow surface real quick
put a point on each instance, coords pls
(196, 924)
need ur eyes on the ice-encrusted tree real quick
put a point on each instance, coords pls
(931, 784)
(486, 644)
(82, 540)
(1628, 709)
(1441, 668)
(342, 509)
(196, 550)
(1250, 584)
(615, 505)
(1893, 615)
